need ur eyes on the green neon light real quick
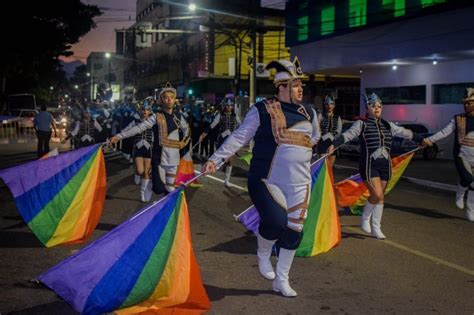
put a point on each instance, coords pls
(303, 28)
(427, 3)
(357, 13)
(328, 20)
(398, 7)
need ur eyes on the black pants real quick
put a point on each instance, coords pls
(465, 175)
(273, 218)
(43, 142)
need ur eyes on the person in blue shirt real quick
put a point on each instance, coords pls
(44, 124)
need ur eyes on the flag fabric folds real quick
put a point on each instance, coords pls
(186, 171)
(53, 152)
(145, 265)
(246, 157)
(353, 193)
(321, 229)
(60, 198)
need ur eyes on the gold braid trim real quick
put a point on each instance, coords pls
(281, 134)
(163, 138)
(461, 124)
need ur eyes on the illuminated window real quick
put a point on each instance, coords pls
(427, 3)
(303, 28)
(328, 17)
(357, 13)
(397, 6)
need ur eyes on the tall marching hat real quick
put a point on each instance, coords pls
(229, 99)
(286, 71)
(167, 88)
(329, 100)
(469, 95)
(372, 99)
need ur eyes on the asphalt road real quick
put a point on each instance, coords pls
(425, 266)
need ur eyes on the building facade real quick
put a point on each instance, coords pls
(205, 53)
(108, 75)
(418, 55)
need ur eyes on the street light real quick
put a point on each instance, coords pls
(51, 88)
(88, 74)
(192, 7)
(76, 86)
(107, 55)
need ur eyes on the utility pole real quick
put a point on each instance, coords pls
(253, 71)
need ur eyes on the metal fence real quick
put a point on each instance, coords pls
(21, 130)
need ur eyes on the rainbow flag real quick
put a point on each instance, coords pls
(353, 193)
(321, 229)
(185, 171)
(246, 157)
(53, 152)
(61, 197)
(145, 265)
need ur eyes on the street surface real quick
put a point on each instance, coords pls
(425, 266)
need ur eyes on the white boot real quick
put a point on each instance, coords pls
(377, 222)
(137, 179)
(148, 191)
(470, 206)
(281, 284)
(228, 171)
(264, 252)
(365, 218)
(460, 192)
(143, 189)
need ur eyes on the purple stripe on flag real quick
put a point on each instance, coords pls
(22, 178)
(250, 219)
(90, 267)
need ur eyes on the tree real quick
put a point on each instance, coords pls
(35, 34)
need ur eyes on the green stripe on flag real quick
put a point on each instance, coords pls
(314, 208)
(155, 266)
(46, 222)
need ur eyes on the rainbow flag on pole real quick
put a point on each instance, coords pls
(321, 229)
(353, 193)
(185, 171)
(61, 197)
(145, 265)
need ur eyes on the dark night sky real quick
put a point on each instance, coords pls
(102, 38)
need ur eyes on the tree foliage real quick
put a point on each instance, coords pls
(35, 34)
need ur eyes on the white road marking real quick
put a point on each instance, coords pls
(436, 260)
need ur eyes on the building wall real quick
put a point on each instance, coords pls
(118, 66)
(166, 61)
(434, 116)
(437, 33)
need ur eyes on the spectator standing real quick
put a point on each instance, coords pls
(44, 124)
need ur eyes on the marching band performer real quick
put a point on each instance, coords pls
(375, 137)
(279, 180)
(463, 127)
(331, 127)
(171, 134)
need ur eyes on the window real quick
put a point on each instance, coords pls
(328, 20)
(317, 19)
(357, 13)
(400, 94)
(427, 3)
(395, 6)
(450, 93)
(303, 28)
